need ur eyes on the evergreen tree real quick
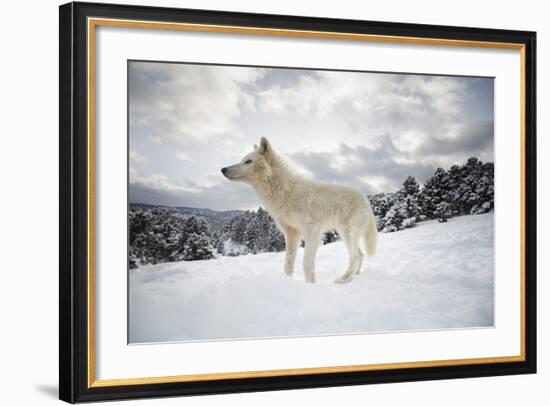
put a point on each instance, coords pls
(238, 227)
(443, 212)
(262, 224)
(251, 236)
(196, 225)
(225, 236)
(406, 209)
(409, 195)
(276, 239)
(435, 191)
(410, 187)
(197, 247)
(381, 204)
(393, 219)
(397, 218)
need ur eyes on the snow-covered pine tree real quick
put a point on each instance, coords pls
(276, 239)
(409, 194)
(410, 187)
(471, 187)
(214, 239)
(443, 212)
(197, 225)
(262, 222)
(137, 224)
(405, 211)
(225, 236)
(484, 189)
(393, 219)
(238, 227)
(251, 235)
(412, 211)
(456, 188)
(435, 190)
(197, 247)
(480, 180)
(381, 204)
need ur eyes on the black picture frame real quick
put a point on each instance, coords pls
(74, 385)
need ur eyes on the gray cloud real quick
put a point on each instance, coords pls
(471, 139)
(363, 167)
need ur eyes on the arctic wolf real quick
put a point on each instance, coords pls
(306, 209)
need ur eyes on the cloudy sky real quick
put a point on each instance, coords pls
(370, 130)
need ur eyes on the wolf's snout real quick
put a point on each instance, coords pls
(224, 170)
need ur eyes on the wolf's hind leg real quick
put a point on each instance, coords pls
(355, 257)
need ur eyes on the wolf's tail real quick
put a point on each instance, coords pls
(371, 235)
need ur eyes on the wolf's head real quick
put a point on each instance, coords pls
(254, 167)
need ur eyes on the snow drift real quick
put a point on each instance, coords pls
(432, 276)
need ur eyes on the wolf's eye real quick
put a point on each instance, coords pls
(248, 161)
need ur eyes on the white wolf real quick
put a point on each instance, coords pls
(305, 209)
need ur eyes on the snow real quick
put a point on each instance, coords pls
(432, 276)
(233, 249)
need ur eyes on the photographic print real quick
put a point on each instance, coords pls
(271, 202)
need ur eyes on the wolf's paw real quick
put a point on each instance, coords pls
(289, 272)
(310, 279)
(344, 279)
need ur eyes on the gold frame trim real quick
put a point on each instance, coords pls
(94, 22)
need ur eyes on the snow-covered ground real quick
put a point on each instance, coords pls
(433, 276)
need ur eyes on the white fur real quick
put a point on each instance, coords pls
(306, 209)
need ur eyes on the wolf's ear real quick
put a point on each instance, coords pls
(255, 147)
(264, 146)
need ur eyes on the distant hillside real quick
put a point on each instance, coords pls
(217, 217)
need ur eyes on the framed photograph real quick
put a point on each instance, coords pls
(257, 202)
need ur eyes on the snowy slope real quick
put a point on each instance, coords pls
(432, 276)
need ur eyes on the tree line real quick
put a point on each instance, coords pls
(464, 189)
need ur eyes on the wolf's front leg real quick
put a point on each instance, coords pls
(313, 239)
(292, 241)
